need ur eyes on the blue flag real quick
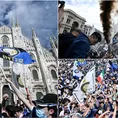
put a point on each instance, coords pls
(81, 62)
(16, 55)
(76, 72)
(114, 66)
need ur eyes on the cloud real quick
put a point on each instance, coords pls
(41, 15)
(89, 9)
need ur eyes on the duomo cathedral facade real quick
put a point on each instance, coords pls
(41, 76)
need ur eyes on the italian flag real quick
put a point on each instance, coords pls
(100, 77)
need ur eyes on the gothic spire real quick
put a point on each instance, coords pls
(17, 23)
(50, 39)
(33, 33)
(13, 25)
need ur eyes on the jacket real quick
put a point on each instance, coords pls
(79, 48)
(65, 41)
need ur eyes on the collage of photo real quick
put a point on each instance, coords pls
(88, 88)
(58, 59)
(88, 64)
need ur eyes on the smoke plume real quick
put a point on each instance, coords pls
(106, 8)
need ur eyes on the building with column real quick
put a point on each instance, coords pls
(70, 19)
(41, 76)
(87, 29)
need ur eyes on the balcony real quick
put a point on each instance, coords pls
(37, 83)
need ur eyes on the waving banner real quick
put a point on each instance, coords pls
(76, 72)
(16, 55)
(19, 77)
(87, 85)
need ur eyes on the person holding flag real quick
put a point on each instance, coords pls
(96, 93)
(45, 107)
(100, 77)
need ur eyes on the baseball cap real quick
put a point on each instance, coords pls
(48, 100)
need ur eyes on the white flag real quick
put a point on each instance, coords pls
(78, 94)
(90, 77)
(87, 85)
(19, 77)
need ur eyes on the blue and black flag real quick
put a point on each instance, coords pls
(17, 55)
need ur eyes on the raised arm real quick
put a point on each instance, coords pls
(19, 94)
(101, 116)
(115, 108)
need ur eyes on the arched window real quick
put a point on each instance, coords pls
(6, 63)
(6, 90)
(5, 41)
(54, 75)
(35, 75)
(75, 25)
(39, 95)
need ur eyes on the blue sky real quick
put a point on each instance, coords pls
(41, 15)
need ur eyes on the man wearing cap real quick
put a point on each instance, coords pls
(46, 107)
(80, 48)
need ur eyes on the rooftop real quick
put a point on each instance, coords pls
(75, 14)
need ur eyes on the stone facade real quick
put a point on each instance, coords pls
(69, 19)
(87, 29)
(41, 76)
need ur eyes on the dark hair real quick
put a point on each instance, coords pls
(11, 110)
(65, 100)
(86, 105)
(4, 115)
(77, 30)
(97, 35)
(18, 109)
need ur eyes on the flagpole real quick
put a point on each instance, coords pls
(5, 77)
(15, 96)
(24, 74)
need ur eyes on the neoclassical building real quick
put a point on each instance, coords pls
(41, 76)
(70, 19)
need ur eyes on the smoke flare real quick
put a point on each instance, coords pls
(106, 8)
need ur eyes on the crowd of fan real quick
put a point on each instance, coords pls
(102, 103)
(45, 107)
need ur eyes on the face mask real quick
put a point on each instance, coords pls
(40, 113)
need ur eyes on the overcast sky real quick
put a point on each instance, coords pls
(89, 9)
(41, 15)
